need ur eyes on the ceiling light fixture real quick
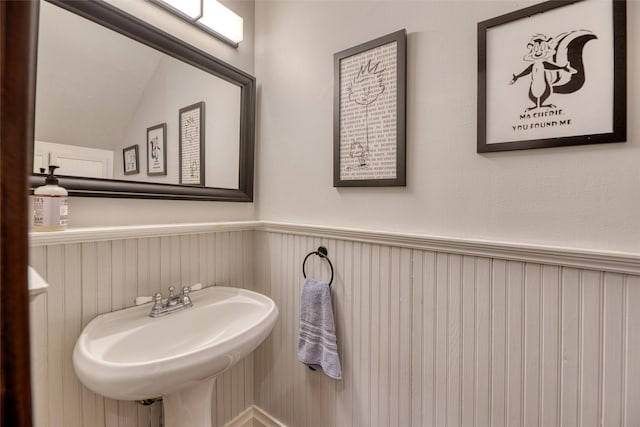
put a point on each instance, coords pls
(208, 15)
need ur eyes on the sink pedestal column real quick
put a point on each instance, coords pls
(190, 407)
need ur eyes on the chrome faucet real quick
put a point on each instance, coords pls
(173, 303)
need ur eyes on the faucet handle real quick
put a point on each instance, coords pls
(157, 301)
(187, 289)
(186, 300)
(157, 305)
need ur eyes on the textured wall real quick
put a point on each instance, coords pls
(438, 339)
(426, 337)
(87, 279)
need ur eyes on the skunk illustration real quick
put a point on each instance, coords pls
(557, 65)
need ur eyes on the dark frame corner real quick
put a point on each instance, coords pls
(399, 37)
(619, 113)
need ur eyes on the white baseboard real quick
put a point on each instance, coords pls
(267, 420)
(245, 419)
(254, 416)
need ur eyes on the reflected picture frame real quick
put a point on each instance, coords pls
(191, 144)
(130, 160)
(157, 150)
(551, 75)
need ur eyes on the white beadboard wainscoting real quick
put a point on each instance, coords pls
(431, 331)
(435, 338)
(97, 271)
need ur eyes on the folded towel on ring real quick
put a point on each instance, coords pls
(317, 344)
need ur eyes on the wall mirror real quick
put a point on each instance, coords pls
(126, 110)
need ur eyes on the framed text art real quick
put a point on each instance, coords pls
(369, 113)
(130, 158)
(156, 150)
(191, 121)
(553, 74)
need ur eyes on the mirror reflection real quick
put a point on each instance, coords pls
(110, 107)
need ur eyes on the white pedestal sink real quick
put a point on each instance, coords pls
(127, 355)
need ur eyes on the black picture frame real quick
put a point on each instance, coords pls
(192, 147)
(364, 158)
(559, 106)
(157, 150)
(131, 160)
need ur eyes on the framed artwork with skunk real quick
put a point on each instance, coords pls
(553, 74)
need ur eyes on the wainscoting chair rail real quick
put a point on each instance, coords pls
(610, 261)
(601, 260)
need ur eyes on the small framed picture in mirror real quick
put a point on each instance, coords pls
(191, 122)
(156, 150)
(130, 158)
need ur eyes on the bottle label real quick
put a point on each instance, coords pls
(50, 211)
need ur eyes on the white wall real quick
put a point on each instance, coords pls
(91, 277)
(74, 72)
(160, 103)
(242, 57)
(585, 196)
(87, 211)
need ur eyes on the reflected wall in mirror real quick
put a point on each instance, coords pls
(100, 91)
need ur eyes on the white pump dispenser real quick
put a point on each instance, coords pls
(50, 205)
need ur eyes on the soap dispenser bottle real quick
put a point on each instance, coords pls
(50, 205)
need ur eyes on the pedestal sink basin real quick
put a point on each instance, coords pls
(128, 355)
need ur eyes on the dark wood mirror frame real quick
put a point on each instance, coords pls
(115, 19)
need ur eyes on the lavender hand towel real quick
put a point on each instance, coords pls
(317, 346)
